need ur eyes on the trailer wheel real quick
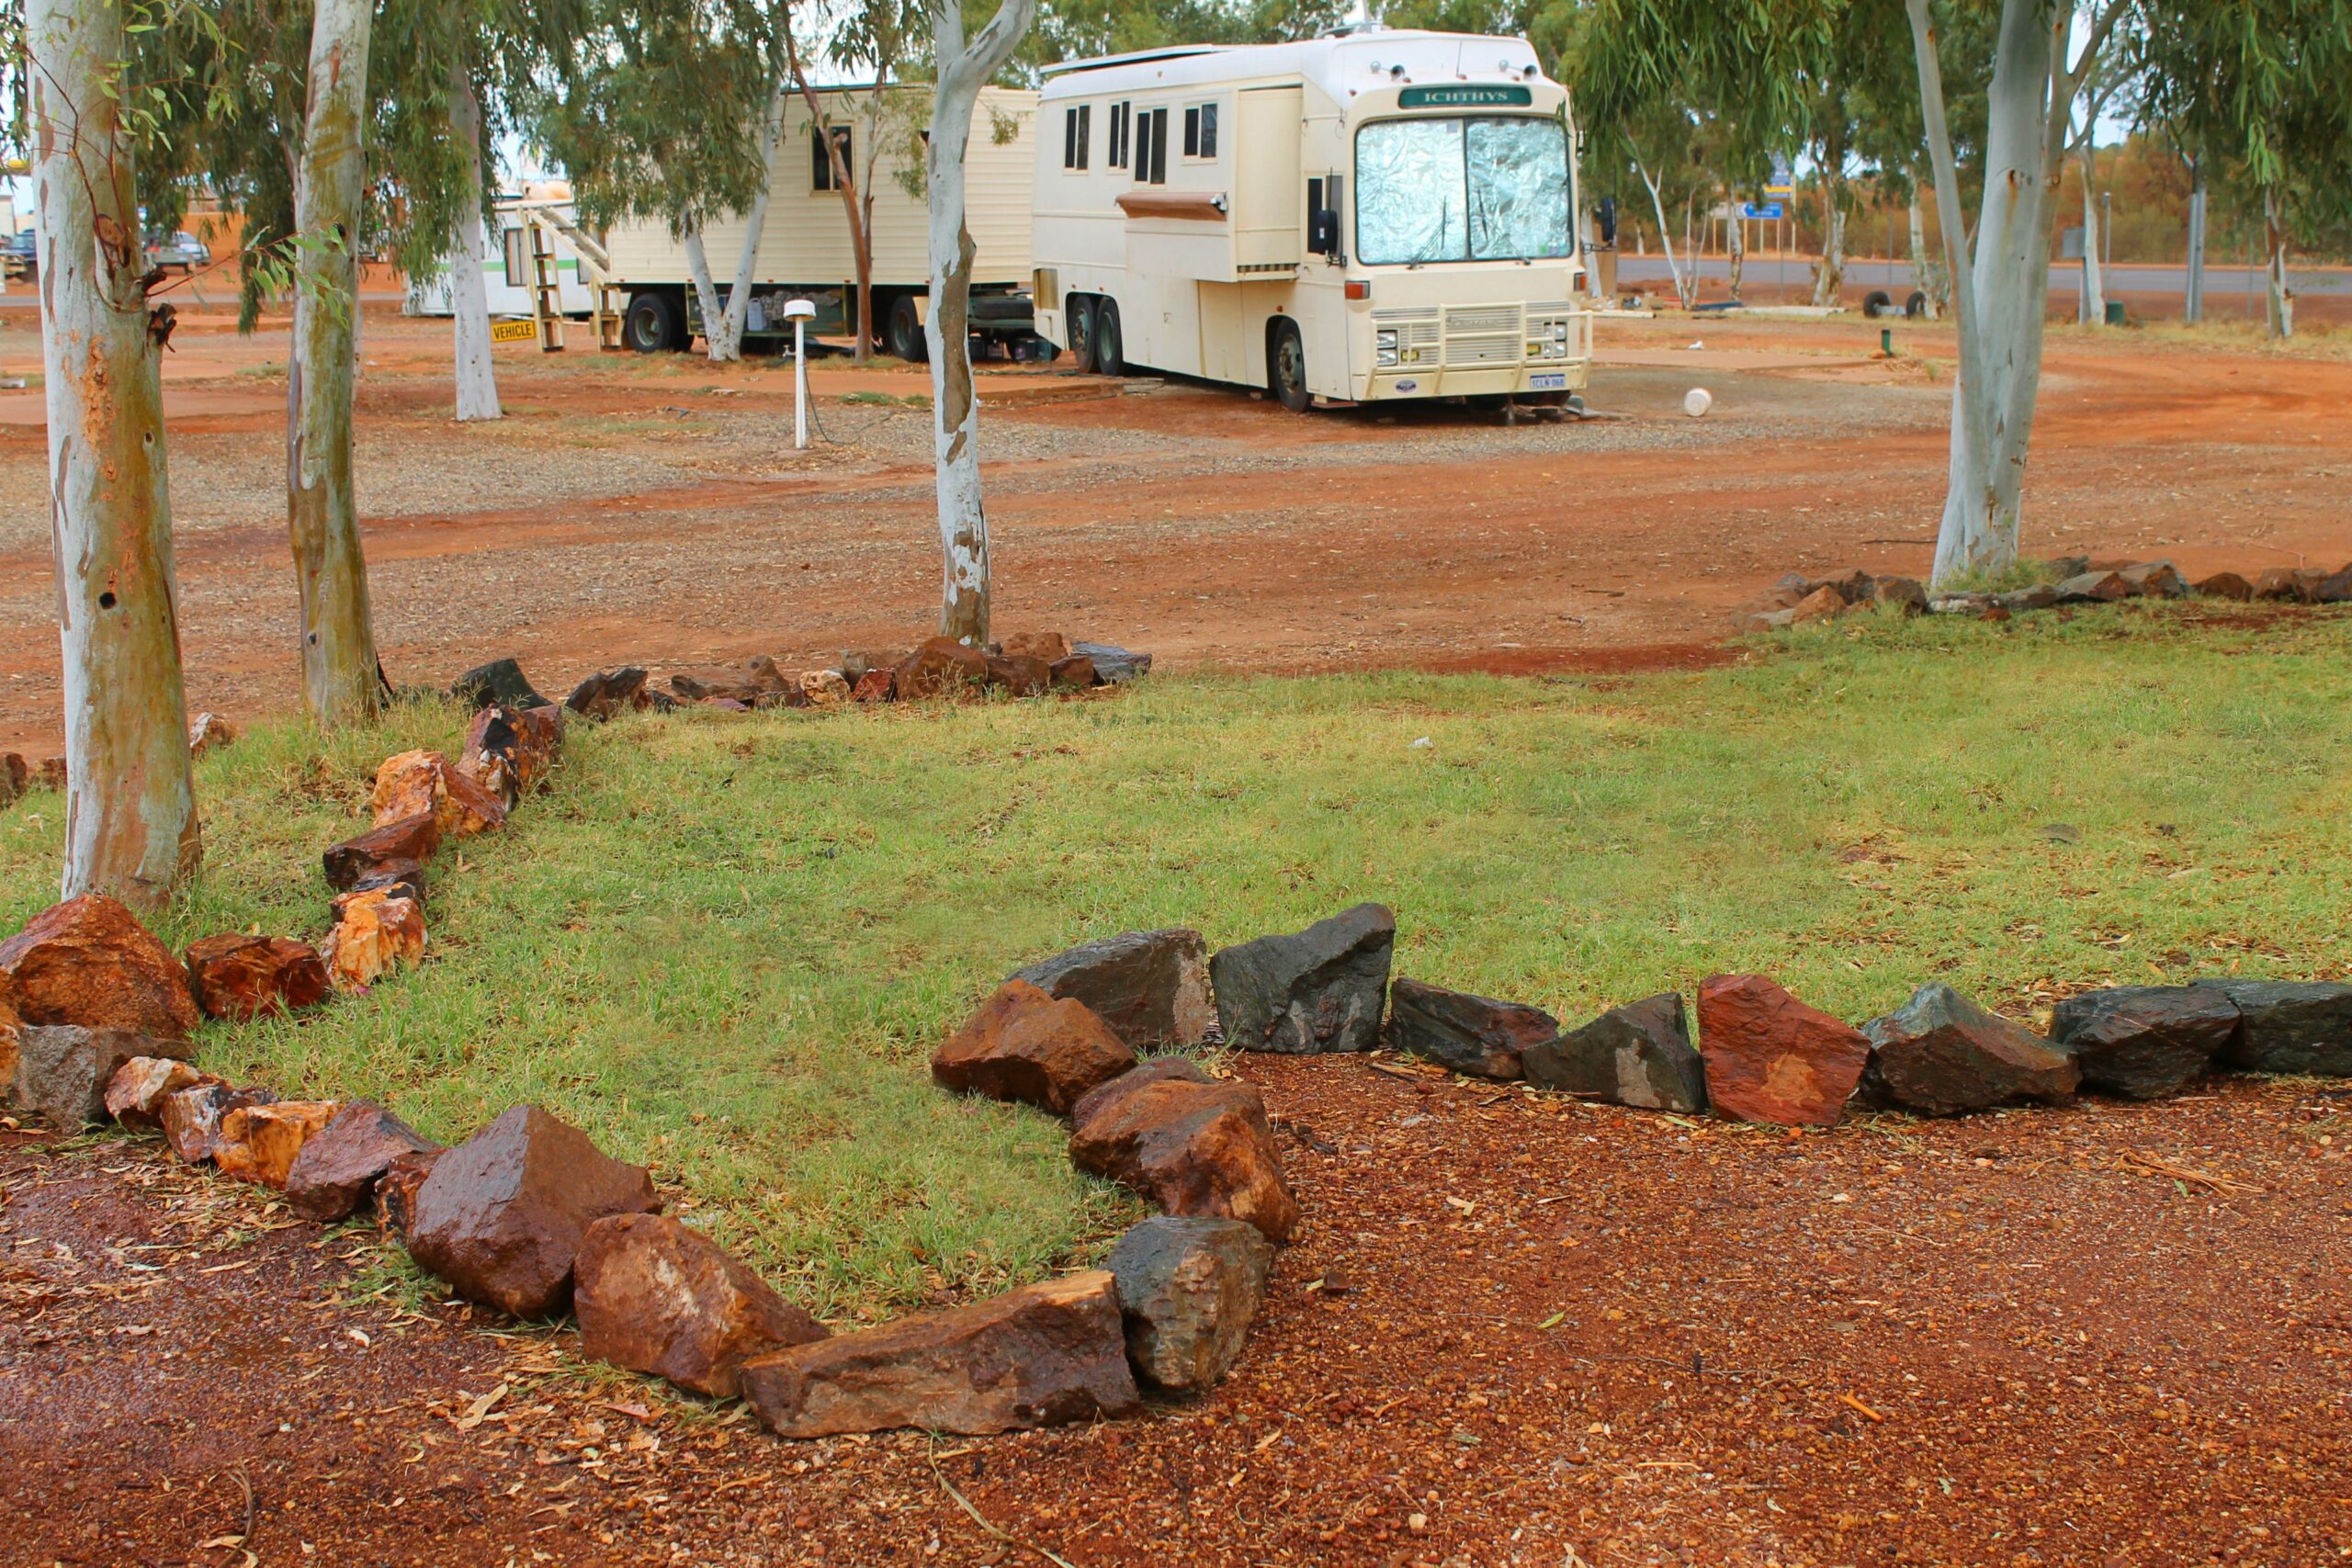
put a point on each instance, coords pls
(1917, 306)
(1110, 344)
(1079, 312)
(906, 330)
(1286, 368)
(1877, 303)
(653, 324)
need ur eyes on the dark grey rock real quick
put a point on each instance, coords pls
(1320, 990)
(2289, 1027)
(1151, 987)
(609, 692)
(1940, 1054)
(2095, 588)
(1904, 592)
(2159, 579)
(2145, 1041)
(1476, 1036)
(1636, 1055)
(499, 681)
(62, 1070)
(2041, 596)
(1188, 1290)
(1114, 666)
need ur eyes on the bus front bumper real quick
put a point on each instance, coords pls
(1536, 378)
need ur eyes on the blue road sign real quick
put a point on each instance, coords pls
(1765, 212)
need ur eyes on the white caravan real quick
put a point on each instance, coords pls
(804, 247)
(1366, 216)
(506, 268)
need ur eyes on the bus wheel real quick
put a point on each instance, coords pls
(1110, 345)
(906, 332)
(1079, 312)
(652, 325)
(1286, 368)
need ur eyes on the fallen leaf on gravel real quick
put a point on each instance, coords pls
(1552, 1321)
(1464, 1204)
(1857, 1405)
(635, 1412)
(480, 1408)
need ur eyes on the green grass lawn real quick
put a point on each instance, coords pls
(725, 944)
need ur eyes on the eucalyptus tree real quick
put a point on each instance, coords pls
(672, 111)
(963, 67)
(874, 40)
(130, 827)
(285, 110)
(2259, 85)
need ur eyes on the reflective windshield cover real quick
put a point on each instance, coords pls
(1483, 188)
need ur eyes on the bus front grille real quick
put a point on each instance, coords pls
(1483, 334)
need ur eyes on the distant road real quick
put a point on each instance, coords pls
(2221, 282)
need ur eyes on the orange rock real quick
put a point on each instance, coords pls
(258, 1143)
(940, 667)
(1024, 1045)
(136, 1094)
(1051, 646)
(1772, 1058)
(88, 961)
(378, 932)
(419, 782)
(510, 752)
(242, 976)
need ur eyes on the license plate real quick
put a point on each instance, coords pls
(1549, 381)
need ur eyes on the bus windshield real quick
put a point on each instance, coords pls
(1480, 189)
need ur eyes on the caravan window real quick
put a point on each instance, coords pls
(1200, 131)
(1151, 147)
(821, 168)
(517, 266)
(1487, 188)
(1119, 116)
(1074, 130)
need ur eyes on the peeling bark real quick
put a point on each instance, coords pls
(468, 295)
(341, 679)
(131, 824)
(2094, 271)
(963, 522)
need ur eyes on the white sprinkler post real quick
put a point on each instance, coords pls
(799, 312)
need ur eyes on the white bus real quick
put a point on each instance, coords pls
(1366, 216)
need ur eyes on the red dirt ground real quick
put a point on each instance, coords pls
(1515, 1330)
(1209, 526)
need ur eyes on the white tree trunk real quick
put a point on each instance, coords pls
(468, 295)
(1736, 233)
(341, 679)
(1685, 288)
(2094, 269)
(955, 411)
(2001, 289)
(722, 328)
(2279, 305)
(1829, 276)
(1933, 277)
(130, 826)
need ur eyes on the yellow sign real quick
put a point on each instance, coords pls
(514, 331)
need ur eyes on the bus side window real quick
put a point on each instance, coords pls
(1075, 126)
(517, 265)
(1119, 114)
(1151, 147)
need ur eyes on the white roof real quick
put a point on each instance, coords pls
(1357, 61)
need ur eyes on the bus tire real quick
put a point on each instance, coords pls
(1286, 366)
(1110, 345)
(654, 324)
(1078, 311)
(906, 332)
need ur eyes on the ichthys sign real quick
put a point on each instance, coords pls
(1465, 99)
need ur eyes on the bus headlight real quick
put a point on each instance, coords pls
(1384, 344)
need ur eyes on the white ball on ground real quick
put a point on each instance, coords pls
(1697, 401)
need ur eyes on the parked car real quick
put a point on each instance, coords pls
(182, 250)
(17, 255)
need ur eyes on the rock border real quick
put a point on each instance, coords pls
(1796, 600)
(529, 1218)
